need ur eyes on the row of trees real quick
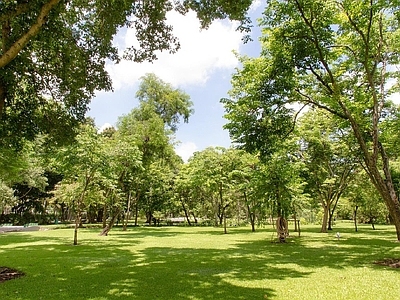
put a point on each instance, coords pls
(131, 171)
(338, 58)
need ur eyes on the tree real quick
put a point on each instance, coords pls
(168, 103)
(337, 56)
(118, 176)
(149, 127)
(53, 53)
(214, 170)
(365, 202)
(81, 165)
(329, 163)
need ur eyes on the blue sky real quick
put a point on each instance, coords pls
(202, 68)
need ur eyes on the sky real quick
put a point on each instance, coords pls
(202, 68)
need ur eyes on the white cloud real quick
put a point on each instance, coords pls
(104, 127)
(255, 5)
(186, 150)
(201, 52)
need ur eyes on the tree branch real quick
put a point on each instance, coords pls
(17, 46)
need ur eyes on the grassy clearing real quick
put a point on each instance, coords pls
(200, 263)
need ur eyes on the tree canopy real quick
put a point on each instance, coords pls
(335, 55)
(53, 53)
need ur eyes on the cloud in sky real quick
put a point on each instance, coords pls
(186, 150)
(104, 127)
(201, 53)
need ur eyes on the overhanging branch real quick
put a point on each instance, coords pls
(17, 46)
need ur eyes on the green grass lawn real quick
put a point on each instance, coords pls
(201, 263)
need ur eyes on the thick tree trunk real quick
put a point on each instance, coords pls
(383, 183)
(330, 220)
(110, 224)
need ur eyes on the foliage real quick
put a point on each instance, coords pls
(53, 54)
(330, 164)
(168, 103)
(335, 55)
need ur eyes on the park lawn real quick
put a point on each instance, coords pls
(201, 263)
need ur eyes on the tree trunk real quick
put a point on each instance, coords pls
(383, 183)
(136, 212)
(330, 218)
(325, 218)
(77, 222)
(225, 231)
(186, 213)
(355, 218)
(252, 218)
(372, 223)
(104, 215)
(194, 217)
(126, 219)
(282, 229)
(110, 224)
(295, 223)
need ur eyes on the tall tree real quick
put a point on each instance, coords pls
(169, 103)
(55, 51)
(329, 163)
(338, 56)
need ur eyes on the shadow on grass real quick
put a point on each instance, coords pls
(108, 269)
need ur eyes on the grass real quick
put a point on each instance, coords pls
(200, 263)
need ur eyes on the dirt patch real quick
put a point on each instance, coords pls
(8, 274)
(389, 262)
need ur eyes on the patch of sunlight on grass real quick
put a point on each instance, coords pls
(119, 293)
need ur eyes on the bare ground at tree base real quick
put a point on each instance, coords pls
(389, 262)
(9, 273)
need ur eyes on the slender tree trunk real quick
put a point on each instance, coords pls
(104, 215)
(194, 217)
(127, 212)
(295, 222)
(238, 212)
(225, 231)
(355, 218)
(136, 212)
(186, 213)
(252, 219)
(372, 223)
(77, 222)
(252, 215)
(137, 195)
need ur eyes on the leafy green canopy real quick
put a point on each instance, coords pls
(340, 56)
(169, 103)
(55, 49)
